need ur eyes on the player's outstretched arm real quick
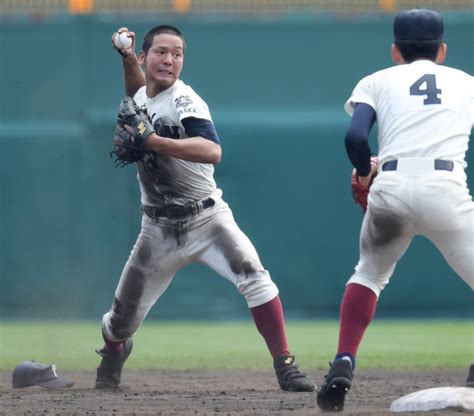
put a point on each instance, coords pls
(202, 144)
(134, 78)
(195, 149)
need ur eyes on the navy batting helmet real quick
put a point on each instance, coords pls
(418, 25)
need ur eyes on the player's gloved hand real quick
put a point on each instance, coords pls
(135, 119)
(360, 186)
(124, 149)
(131, 132)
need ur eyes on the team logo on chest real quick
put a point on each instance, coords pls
(184, 104)
(183, 101)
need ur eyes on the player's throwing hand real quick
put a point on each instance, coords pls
(129, 51)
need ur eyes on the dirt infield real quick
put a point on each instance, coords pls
(222, 393)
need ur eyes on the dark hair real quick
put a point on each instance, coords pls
(414, 50)
(418, 33)
(148, 39)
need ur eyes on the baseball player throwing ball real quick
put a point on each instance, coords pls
(185, 220)
(425, 115)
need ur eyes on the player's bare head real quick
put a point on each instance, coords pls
(158, 30)
(418, 34)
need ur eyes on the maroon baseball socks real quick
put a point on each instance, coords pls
(357, 311)
(111, 346)
(271, 324)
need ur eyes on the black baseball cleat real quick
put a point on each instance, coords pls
(331, 394)
(109, 371)
(288, 375)
(470, 377)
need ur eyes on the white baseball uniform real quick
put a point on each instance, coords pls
(208, 235)
(425, 112)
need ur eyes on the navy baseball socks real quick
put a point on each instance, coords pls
(270, 323)
(109, 372)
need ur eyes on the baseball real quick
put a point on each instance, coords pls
(122, 41)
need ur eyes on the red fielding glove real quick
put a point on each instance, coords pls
(360, 193)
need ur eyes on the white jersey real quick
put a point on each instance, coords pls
(423, 110)
(165, 179)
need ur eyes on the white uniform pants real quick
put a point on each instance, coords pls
(415, 200)
(165, 246)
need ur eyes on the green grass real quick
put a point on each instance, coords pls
(225, 345)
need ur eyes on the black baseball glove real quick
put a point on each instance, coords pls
(131, 132)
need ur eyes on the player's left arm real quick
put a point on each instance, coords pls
(202, 144)
(357, 142)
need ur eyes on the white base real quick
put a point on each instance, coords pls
(436, 398)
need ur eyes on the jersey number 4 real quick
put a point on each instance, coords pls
(430, 90)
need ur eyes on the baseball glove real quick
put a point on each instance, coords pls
(131, 132)
(360, 193)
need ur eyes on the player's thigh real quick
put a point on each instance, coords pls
(231, 254)
(226, 247)
(457, 243)
(152, 263)
(443, 202)
(386, 234)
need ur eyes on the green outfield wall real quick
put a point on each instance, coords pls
(275, 87)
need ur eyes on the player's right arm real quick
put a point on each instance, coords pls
(133, 75)
(362, 108)
(357, 141)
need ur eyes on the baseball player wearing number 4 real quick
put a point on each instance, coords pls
(185, 220)
(425, 116)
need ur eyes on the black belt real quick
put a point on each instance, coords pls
(176, 212)
(439, 164)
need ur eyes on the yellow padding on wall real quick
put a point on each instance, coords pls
(182, 6)
(388, 5)
(81, 6)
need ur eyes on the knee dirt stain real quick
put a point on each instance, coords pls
(144, 254)
(123, 312)
(134, 285)
(238, 260)
(118, 319)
